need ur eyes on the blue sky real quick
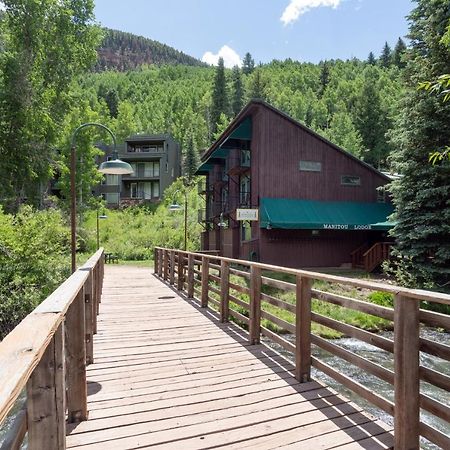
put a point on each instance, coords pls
(305, 30)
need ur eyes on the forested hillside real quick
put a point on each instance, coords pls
(126, 51)
(353, 103)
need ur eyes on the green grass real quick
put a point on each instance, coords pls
(144, 263)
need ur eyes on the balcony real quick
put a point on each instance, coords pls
(239, 162)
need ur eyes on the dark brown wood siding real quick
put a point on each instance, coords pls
(278, 145)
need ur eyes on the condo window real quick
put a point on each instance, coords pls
(350, 180)
(310, 166)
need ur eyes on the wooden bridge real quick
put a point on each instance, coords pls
(167, 369)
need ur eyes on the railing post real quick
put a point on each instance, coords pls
(172, 267)
(303, 329)
(166, 264)
(155, 260)
(180, 279)
(205, 282)
(406, 365)
(224, 290)
(90, 319)
(161, 262)
(255, 305)
(46, 398)
(76, 360)
(190, 276)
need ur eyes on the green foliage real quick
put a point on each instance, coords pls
(132, 233)
(33, 261)
(371, 60)
(248, 64)
(381, 298)
(386, 56)
(238, 91)
(399, 54)
(125, 51)
(45, 45)
(220, 99)
(191, 160)
(258, 86)
(421, 195)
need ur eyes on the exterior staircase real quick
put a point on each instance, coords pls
(369, 258)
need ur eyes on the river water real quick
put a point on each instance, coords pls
(384, 359)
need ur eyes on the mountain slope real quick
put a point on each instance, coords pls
(126, 51)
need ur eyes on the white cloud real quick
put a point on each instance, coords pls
(296, 8)
(230, 57)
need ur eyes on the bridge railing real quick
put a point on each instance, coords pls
(228, 285)
(46, 356)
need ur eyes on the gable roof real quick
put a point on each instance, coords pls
(257, 103)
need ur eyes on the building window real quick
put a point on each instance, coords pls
(350, 180)
(310, 166)
(112, 180)
(112, 198)
(155, 189)
(244, 191)
(381, 194)
(134, 190)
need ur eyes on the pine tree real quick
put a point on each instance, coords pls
(258, 86)
(371, 59)
(421, 195)
(371, 119)
(220, 103)
(324, 77)
(191, 159)
(238, 91)
(386, 56)
(248, 64)
(399, 51)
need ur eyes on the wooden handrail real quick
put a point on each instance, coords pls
(210, 284)
(35, 354)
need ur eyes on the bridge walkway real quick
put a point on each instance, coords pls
(167, 374)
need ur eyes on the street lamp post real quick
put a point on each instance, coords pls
(113, 167)
(103, 216)
(175, 207)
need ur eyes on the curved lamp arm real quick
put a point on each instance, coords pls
(93, 124)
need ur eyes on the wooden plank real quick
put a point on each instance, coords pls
(436, 378)
(90, 320)
(190, 288)
(277, 321)
(435, 436)
(406, 367)
(46, 398)
(205, 282)
(255, 305)
(303, 329)
(278, 339)
(224, 291)
(277, 302)
(76, 361)
(16, 433)
(237, 287)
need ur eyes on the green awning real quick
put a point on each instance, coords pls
(242, 132)
(290, 214)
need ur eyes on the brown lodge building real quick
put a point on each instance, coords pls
(312, 203)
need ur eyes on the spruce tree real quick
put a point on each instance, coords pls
(191, 159)
(248, 64)
(399, 51)
(421, 195)
(386, 56)
(238, 91)
(220, 103)
(371, 59)
(324, 77)
(258, 86)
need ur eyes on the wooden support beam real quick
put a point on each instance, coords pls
(224, 291)
(255, 305)
(76, 361)
(166, 265)
(190, 276)
(205, 282)
(156, 261)
(172, 267)
(90, 320)
(303, 329)
(180, 277)
(46, 398)
(406, 367)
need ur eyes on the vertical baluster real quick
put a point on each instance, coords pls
(46, 398)
(90, 319)
(303, 329)
(172, 267)
(255, 304)
(224, 290)
(406, 366)
(76, 360)
(166, 265)
(155, 260)
(205, 281)
(180, 280)
(190, 276)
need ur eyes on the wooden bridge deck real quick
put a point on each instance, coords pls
(167, 374)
